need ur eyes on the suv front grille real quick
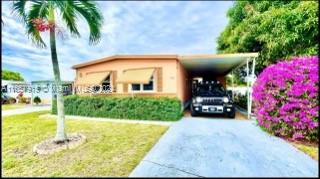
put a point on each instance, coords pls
(212, 101)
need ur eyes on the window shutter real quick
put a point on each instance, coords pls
(159, 80)
(114, 78)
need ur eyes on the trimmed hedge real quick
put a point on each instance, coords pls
(141, 108)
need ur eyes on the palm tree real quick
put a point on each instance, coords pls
(39, 16)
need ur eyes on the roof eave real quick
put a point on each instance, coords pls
(248, 55)
(116, 57)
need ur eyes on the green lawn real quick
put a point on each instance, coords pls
(311, 150)
(112, 149)
(12, 106)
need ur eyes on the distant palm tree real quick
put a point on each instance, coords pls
(39, 16)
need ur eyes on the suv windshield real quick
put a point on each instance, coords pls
(210, 90)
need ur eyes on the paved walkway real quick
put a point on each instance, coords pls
(202, 147)
(27, 109)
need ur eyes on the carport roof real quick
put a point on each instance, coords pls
(217, 64)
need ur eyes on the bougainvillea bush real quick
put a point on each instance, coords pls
(285, 97)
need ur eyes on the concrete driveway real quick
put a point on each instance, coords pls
(26, 109)
(202, 147)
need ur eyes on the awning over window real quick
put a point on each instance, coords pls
(141, 76)
(93, 78)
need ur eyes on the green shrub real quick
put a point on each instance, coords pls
(143, 108)
(23, 100)
(10, 75)
(241, 100)
(37, 100)
(12, 100)
(8, 100)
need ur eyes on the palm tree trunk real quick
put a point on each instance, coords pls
(60, 134)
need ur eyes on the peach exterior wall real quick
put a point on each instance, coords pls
(183, 83)
(169, 71)
(176, 81)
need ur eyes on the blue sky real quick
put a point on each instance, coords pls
(161, 27)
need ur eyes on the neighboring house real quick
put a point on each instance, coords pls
(14, 88)
(45, 90)
(154, 75)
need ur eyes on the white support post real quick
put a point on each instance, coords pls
(253, 66)
(232, 82)
(248, 93)
(251, 84)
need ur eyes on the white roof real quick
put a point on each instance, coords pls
(215, 64)
(6, 82)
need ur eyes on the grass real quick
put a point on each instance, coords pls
(311, 150)
(112, 149)
(12, 106)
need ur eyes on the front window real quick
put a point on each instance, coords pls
(136, 87)
(96, 89)
(149, 86)
(105, 86)
(144, 87)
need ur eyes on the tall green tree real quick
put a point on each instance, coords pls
(40, 16)
(275, 29)
(11, 75)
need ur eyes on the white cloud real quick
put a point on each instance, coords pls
(129, 28)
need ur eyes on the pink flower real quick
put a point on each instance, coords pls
(297, 136)
(285, 95)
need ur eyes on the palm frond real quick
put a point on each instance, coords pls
(93, 17)
(39, 9)
(68, 16)
(35, 36)
(18, 9)
(69, 11)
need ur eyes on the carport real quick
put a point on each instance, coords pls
(220, 65)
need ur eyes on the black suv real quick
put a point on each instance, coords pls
(211, 97)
